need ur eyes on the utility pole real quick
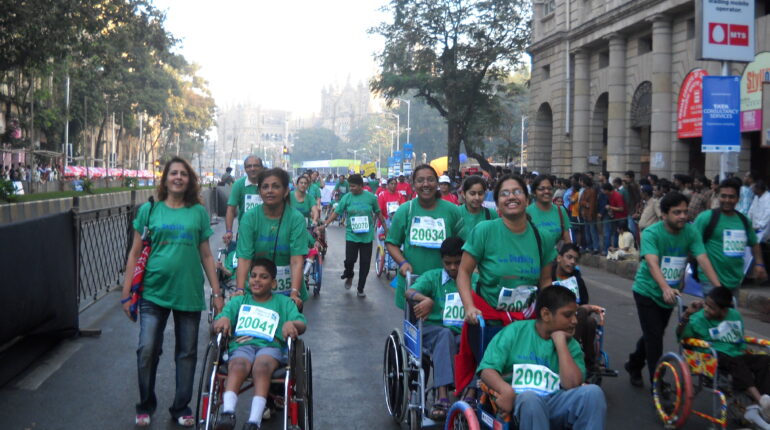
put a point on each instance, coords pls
(408, 115)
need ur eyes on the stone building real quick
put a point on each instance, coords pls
(342, 107)
(606, 80)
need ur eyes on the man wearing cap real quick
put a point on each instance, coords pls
(445, 186)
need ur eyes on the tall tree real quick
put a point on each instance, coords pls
(450, 53)
(317, 144)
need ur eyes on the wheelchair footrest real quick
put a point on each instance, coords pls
(609, 372)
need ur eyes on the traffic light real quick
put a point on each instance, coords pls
(285, 150)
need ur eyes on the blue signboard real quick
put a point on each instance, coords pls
(391, 161)
(397, 156)
(721, 114)
(408, 151)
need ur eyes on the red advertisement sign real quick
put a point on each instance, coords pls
(689, 112)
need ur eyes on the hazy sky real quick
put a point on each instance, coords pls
(276, 53)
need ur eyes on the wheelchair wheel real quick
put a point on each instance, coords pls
(304, 385)
(379, 261)
(209, 390)
(415, 413)
(461, 416)
(394, 376)
(389, 268)
(317, 277)
(672, 390)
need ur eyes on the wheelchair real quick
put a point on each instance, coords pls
(602, 358)
(383, 262)
(291, 385)
(680, 376)
(313, 270)
(406, 370)
(227, 285)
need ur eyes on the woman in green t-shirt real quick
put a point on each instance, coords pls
(474, 190)
(302, 201)
(550, 219)
(173, 284)
(420, 225)
(276, 231)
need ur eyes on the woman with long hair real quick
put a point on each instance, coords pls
(550, 219)
(276, 231)
(420, 225)
(173, 284)
(474, 190)
(303, 201)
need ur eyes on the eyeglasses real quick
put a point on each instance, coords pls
(544, 189)
(507, 193)
(426, 179)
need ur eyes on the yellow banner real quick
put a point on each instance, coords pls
(370, 168)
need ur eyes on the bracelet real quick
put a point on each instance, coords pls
(412, 294)
(123, 301)
(216, 295)
(402, 263)
(229, 231)
(294, 290)
(240, 289)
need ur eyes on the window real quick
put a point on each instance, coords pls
(604, 59)
(549, 6)
(547, 71)
(644, 44)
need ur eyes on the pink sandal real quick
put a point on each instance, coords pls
(186, 421)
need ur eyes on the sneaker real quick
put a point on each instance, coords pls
(267, 414)
(634, 374)
(348, 283)
(226, 421)
(361, 294)
(250, 426)
(142, 420)
(753, 416)
(186, 421)
(764, 404)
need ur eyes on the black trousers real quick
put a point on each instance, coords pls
(747, 370)
(352, 250)
(585, 333)
(649, 347)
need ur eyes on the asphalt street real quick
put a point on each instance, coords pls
(90, 382)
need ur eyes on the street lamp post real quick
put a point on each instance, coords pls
(521, 144)
(408, 116)
(398, 129)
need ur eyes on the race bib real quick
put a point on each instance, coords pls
(250, 201)
(359, 224)
(283, 280)
(392, 207)
(571, 284)
(673, 268)
(427, 232)
(403, 192)
(256, 321)
(516, 299)
(534, 377)
(727, 331)
(235, 261)
(343, 190)
(733, 242)
(454, 312)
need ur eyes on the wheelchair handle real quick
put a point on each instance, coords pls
(482, 323)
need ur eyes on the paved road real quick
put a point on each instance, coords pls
(90, 383)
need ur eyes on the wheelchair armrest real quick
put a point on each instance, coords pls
(757, 341)
(696, 343)
(489, 395)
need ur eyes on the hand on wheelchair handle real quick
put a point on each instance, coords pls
(506, 400)
(222, 325)
(406, 269)
(238, 292)
(669, 295)
(289, 330)
(471, 314)
(227, 237)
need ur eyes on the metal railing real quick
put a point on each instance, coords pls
(103, 240)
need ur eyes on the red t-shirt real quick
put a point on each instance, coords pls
(451, 198)
(405, 189)
(616, 200)
(386, 197)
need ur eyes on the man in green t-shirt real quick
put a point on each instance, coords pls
(727, 239)
(243, 196)
(537, 368)
(716, 322)
(439, 304)
(361, 207)
(262, 323)
(373, 182)
(314, 190)
(665, 248)
(342, 188)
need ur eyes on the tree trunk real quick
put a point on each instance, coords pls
(453, 145)
(485, 165)
(98, 152)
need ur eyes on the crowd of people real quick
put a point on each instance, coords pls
(38, 173)
(504, 248)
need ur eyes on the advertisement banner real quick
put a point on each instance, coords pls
(369, 168)
(407, 168)
(765, 142)
(755, 73)
(689, 112)
(721, 114)
(725, 30)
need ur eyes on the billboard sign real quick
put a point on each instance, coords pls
(755, 73)
(689, 112)
(725, 30)
(765, 142)
(721, 114)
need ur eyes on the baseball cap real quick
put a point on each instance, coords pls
(444, 179)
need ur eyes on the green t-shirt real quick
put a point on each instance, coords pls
(245, 196)
(725, 247)
(343, 188)
(257, 238)
(359, 207)
(438, 285)
(470, 220)
(305, 207)
(725, 336)
(672, 251)
(173, 277)
(507, 260)
(237, 310)
(549, 224)
(314, 190)
(519, 344)
(421, 232)
(373, 184)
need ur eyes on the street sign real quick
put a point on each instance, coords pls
(725, 30)
(721, 114)
(689, 113)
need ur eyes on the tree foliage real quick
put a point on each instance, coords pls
(318, 144)
(451, 54)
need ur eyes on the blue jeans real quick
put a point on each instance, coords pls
(633, 227)
(580, 408)
(592, 236)
(610, 234)
(152, 322)
(442, 346)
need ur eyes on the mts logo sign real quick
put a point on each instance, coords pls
(728, 34)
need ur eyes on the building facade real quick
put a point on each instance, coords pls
(605, 87)
(342, 107)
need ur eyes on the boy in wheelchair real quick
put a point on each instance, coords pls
(439, 304)
(566, 274)
(537, 369)
(263, 322)
(715, 321)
